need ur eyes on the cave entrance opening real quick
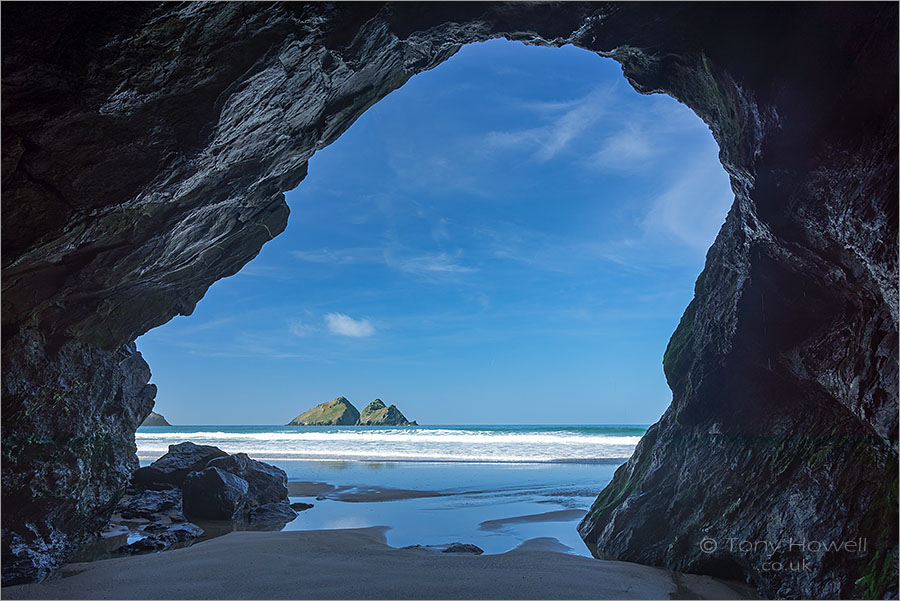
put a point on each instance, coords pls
(511, 237)
(502, 248)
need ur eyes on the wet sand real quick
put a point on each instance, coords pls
(562, 515)
(309, 489)
(357, 564)
(358, 494)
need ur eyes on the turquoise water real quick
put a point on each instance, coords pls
(475, 493)
(482, 473)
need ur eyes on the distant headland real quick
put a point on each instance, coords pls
(155, 419)
(341, 412)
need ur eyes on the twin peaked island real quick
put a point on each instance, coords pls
(341, 412)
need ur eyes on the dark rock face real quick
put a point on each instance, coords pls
(174, 466)
(266, 483)
(69, 416)
(783, 424)
(146, 148)
(214, 494)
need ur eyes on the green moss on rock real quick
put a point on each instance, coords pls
(675, 359)
(880, 574)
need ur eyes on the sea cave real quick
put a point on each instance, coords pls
(146, 149)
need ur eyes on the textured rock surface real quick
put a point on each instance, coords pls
(214, 494)
(339, 412)
(164, 537)
(145, 150)
(69, 416)
(272, 515)
(239, 492)
(463, 548)
(155, 419)
(267, 483)
(177, 463)
(377, 414)
(149, 502)
(783, 424)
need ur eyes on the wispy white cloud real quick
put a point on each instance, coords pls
(431, 264)
(253, 270)
(343, 256)
(195, 328)
(550, 106)
(300, 329)
(483, 300)
(440, 233)
(429, 169)
(608, 132)
(344, 325)
(244, 345)
(629, 149)
(692, 209)
(565, 122)
(507, 241)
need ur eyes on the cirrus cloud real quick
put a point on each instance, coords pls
(344, 325)
(300, 329)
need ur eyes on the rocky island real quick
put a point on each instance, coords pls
(377, 414)
(155, 419)
(341, 412)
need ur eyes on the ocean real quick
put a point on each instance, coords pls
(493, 486)
(473, 444)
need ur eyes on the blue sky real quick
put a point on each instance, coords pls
(511, 237)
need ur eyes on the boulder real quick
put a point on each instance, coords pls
(163, 537)
(147, 544)
(301, 506)
(463, 548)
(339, 412)
(185, 531)
(272, 514)
(268, 484)
(149, 503)
(215, 494)
(451, 548)
(174, 466)
(136, 486)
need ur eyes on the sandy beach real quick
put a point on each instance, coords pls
(359, 494)
(357, 564)
(354, 544)
(563, 515)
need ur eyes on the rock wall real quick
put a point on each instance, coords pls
(146, 148)
(69, 417)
